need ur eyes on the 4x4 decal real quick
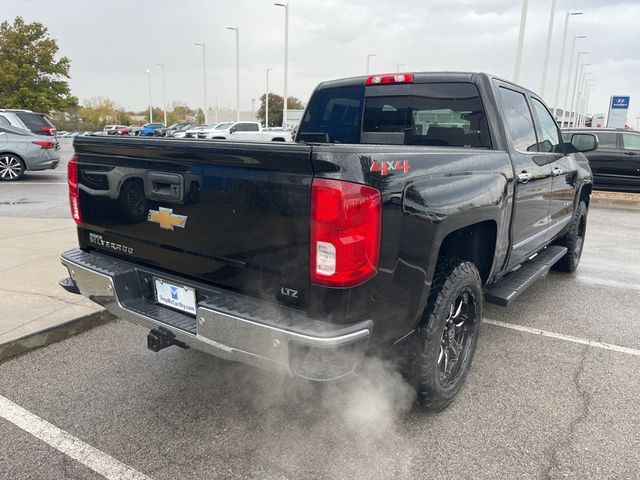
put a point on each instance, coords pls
(385, 167)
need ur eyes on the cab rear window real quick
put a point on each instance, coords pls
(437, 114)
(333, 115)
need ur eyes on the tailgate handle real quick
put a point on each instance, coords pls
(167, 187)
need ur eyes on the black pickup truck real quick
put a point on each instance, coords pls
(406, 202)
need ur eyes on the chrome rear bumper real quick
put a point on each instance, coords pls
(231, 326)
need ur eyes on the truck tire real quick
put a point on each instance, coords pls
(448, 336)
(573, 240)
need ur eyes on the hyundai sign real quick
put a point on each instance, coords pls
(618, 108)
(620, 102)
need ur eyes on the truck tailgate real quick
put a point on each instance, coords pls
(233, 215)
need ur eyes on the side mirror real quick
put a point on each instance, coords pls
(232, 130)
(584, 142)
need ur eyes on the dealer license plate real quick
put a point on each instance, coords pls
(176, 296)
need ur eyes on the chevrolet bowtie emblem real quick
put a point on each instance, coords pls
(166, 219)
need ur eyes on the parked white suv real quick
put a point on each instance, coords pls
(248, 132)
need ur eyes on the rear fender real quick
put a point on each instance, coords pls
(437, 206)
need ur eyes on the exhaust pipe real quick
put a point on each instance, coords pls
(159, 339)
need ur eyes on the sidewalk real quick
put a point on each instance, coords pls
(35, 310)
(602, 199)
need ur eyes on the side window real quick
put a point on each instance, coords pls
(631, 141)
(607, 140)
(549, 136)
(4, 122)
(252, 127)
(519, 120)
(239, 127)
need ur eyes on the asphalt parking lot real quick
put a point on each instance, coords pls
(39, 194)
(553, 393)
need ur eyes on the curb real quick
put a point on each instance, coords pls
(615, 203)
(54, 334)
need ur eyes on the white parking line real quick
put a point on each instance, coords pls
(98, 461)
(560, 336)
(35, 183)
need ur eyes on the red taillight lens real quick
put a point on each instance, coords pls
(346, 220)
(388, 78)
(74, 193)
(49, 131)
(44, 144)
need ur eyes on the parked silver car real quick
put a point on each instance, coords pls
(35, 122)
(21, 151)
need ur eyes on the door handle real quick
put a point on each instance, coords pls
(630, 153)
(168, 187)
(556, 171)
(524, 177)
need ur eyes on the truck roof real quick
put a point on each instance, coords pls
(422, 77)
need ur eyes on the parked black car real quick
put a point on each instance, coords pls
(616, 161)
(169, 131)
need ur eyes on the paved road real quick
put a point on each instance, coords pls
(534, 406)
(39, 194)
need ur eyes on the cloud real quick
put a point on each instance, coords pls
(111, 46)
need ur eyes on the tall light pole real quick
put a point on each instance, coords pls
(575, 82)
(164, 93)
(582, 97)
(266, 102)
(523, 24)
(150, 106)
(398, 67)
(579, 94)
(237, 30)
(586, 106)
(369, 55)
(566, 93)
(204, 80)
(564, 43)
(286, 59)
(548, 49)
(638, 122)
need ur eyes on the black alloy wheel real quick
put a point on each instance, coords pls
(446, 339)
(457, 339)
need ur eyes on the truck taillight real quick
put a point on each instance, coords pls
(346, 221)
(74, 192)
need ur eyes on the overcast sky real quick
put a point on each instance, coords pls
(111, 43)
